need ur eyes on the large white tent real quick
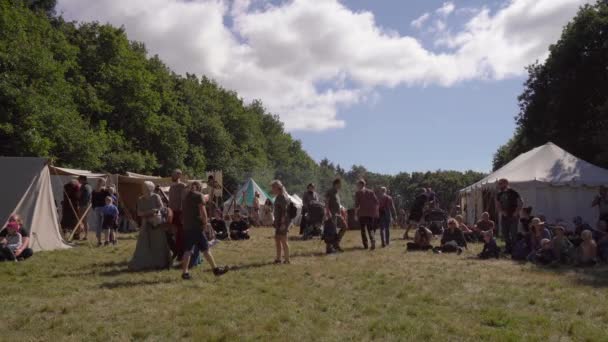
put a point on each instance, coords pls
(554, 182)
(27, 191)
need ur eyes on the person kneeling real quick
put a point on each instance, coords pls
(239, 229)
(453, 240)
(422, 240)
(490, 248)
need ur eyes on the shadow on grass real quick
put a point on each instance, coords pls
(596, 276)
(128, 284)
(298, 255)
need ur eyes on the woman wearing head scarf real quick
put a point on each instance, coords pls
(152, 250)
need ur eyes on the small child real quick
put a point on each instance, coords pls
(587, 250)
(11, 242)
(110, 221)
(490, 248)
(544, 255)
(562, 247)
(484, 225)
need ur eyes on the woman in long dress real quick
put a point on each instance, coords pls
(152, 250)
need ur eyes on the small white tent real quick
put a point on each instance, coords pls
(244, 197)
(554, 182)
(27, 191)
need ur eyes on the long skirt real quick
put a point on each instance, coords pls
(152, 250)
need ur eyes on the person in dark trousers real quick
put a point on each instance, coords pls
(416, 212)
(387, 213)
(239, 228)
(490, 248)
(98, 202)
(309, 196)
(422, 240)
(508, 204)
(334, 208)
(452, 239)
(195, 224)
(366, 209)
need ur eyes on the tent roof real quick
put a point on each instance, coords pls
(249, 188)
(549, 164)
(62, 171)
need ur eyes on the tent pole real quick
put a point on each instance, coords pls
(79, 223)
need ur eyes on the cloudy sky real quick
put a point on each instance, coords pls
(394, 85)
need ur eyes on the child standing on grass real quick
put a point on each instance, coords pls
(11, 242)
(281, 222)
(490, 248)
(110, 221)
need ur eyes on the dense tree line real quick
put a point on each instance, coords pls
(86, 96)
(565, 99)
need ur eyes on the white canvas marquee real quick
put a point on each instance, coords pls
(27, 191)
(554, 182)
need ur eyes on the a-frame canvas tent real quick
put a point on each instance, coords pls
(554, 182)
(27, 191)
(248, 189)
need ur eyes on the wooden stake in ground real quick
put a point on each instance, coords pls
(79, 223)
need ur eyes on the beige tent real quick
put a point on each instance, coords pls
(26, 184)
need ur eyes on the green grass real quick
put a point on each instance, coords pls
(86, 294)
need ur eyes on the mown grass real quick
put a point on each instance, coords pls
(86, 294)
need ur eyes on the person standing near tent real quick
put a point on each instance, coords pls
(309, 196)
(334, 207)
(152, 250)
(69, 206)
(177, 191)
(366, 209)
(281, 221)
(195, 224)
(387, 214)
(508, 205)
(416, 212)
(84, 202)
(601, 201)
(98, 202)
(255, 214)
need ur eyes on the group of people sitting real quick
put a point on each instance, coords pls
(527, 237)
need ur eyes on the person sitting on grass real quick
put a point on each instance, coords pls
(587, 253)
(525, 219)
(490, 248)
(484, 225)
(239, 229)
(579, 227)
(562, 247)
(24, 251)
(452, 240)
(469, 235)
(600, 235)
(219, 226)
(543, 255)
(538, 232)
(11, 242)
(110, 221)
(422, 240)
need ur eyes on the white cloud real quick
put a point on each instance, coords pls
(418, 22)
(306, 59)
(446, 9)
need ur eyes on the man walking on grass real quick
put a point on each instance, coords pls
(195, 224)
(366, 208)
(387, 214)
(508, 204)
(333, 207)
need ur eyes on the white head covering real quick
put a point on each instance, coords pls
(150, 186)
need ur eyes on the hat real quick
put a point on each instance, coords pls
(536, 221)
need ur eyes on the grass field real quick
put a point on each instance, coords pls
(86, 294)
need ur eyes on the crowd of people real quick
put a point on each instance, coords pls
(185, 224)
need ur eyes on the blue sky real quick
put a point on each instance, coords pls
(420, 128)
(390, 85)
